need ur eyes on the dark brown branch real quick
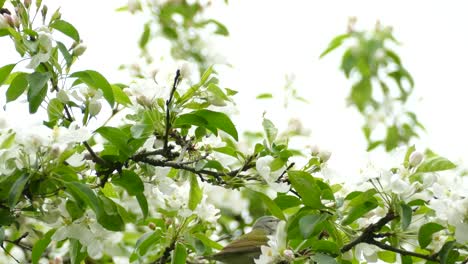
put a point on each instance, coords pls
(182, 166)
(368, 233)
(94, 156)
(167, 253)
(168, 110)
(401, 251)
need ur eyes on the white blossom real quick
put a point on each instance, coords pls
(41, 49)
(264, 170)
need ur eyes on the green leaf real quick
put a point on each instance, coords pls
(287, 201)
(145, 36)
(207, 241)
(146, 242)
(8, 141)
(407, 155)
(361, 94)
(425, 233)
(264, 96)
(65, 53)
(40, 246)
(308, 223)
(447, 254)
(37, 89)
(74, 209)
(17, 87)
(270, 130)
(5, 71)
(211, 120)
(323, 259)
(305, 185)
(392, 139)
(196, 193)
(180, 254)
(116, 137)
(17, 190)
(66, 28)
(436, 164)
(406, 214)
(387, 256)
(325, 246)
(361, 203)
(120, 96)
(334, 43)
(271, 205)
(111, 222)
(141, 198)
(5, 217)
(130, 181)
(77, 255)
(55, 110)
(95, 80)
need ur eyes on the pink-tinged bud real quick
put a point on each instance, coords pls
(27, 3)
(58, 260)
(289, 254)
(415, 158)
(9, 19)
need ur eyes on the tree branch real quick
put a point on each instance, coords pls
(168, 110)
(368, 233)
(402, 251)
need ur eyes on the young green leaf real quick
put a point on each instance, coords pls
(17, 189)
(17, 87)
(406, 214)
(271, 205)
(270, 130)
(180, 254)
(130, 181)
(40, 246)
(305, 185)
(5, 71)
(66, 28)
(436, 164)
(37, 89)
(95, 80)
(425, 233)
(308, 223)
(196, 193)
(141, 198)
(334, 43)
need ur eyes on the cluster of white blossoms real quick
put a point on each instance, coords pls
(276, 249)
(443, 191)
(263, 166)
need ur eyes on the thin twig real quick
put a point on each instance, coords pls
(168, 110)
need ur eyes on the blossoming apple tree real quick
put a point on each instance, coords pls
(153, 172)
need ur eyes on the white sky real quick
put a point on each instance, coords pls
(272, 38)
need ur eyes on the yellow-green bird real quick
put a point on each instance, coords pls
(247, 247)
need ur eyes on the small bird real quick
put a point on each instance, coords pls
(247, 247)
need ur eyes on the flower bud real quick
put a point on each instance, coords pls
(289, 254)
(94, 107)
(79, 50)
(133, 6)
(27, 3)
(415, 158)
(44, 12)
(315, 150)
(3, 22)
(324, 155)
(152, 226)
(63, 96)
(185, 70)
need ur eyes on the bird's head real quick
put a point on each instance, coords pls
(267, 223)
